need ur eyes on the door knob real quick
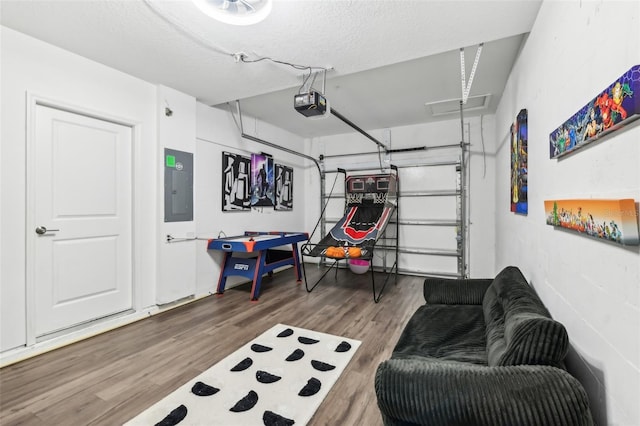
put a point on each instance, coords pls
(41, 230)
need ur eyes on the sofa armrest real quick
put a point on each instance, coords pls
(416, 391)
(450, 291)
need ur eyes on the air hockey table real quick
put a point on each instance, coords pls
(268, 258)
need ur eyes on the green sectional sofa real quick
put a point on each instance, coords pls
(481, 352)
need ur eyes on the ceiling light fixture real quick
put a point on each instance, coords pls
(235, 12)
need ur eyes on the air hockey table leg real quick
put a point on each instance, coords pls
(222, 280)
(257, 277)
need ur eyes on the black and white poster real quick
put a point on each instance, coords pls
(235, 182)
(284, 187)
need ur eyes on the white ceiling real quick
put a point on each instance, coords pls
(388, 57)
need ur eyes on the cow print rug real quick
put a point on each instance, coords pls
(278, 378)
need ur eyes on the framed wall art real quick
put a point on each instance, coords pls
(235, 182)
(610, 220)
(615, 107)
(284, 187)
(262, 191)
(519, 165)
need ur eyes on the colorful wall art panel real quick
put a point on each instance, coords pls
(615, 107)
(611, 220)
(235, 182)
(519, 167)
(284, 187)
(262, 194)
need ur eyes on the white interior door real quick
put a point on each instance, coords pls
(81, 206)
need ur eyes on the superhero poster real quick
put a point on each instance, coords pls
(615, 107)
(609, 220)
(262, 194)
(519, 166)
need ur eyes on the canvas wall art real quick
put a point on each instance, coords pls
(611, 220)
(519, 166)
(262, 191)
(615, 107)
(235, 182)
(284, 187)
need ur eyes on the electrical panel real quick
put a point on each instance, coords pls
(178, 186)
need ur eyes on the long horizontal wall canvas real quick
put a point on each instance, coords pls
(615, 107)
(610, 220)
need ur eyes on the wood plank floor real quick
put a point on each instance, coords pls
(110, 378)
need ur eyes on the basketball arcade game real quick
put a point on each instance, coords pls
(370, 205)
(267, 260)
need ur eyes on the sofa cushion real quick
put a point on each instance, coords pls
(494, 323)
(445, 332)
(519, 328)
(413, 392)
(534, 340)
(469, 291)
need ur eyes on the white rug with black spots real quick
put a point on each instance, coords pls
(278, 378)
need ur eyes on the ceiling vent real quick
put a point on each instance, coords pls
(452, 106)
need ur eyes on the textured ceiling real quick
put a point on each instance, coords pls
(388, 57)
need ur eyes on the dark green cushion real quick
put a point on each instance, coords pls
(414, 391)
(454, 291)
(445, 332)
(519, 328)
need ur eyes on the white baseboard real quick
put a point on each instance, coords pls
(15, 355)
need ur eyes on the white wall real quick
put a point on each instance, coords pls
(177, 260)
(30, 66)
(575, 50)
(478, 132)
